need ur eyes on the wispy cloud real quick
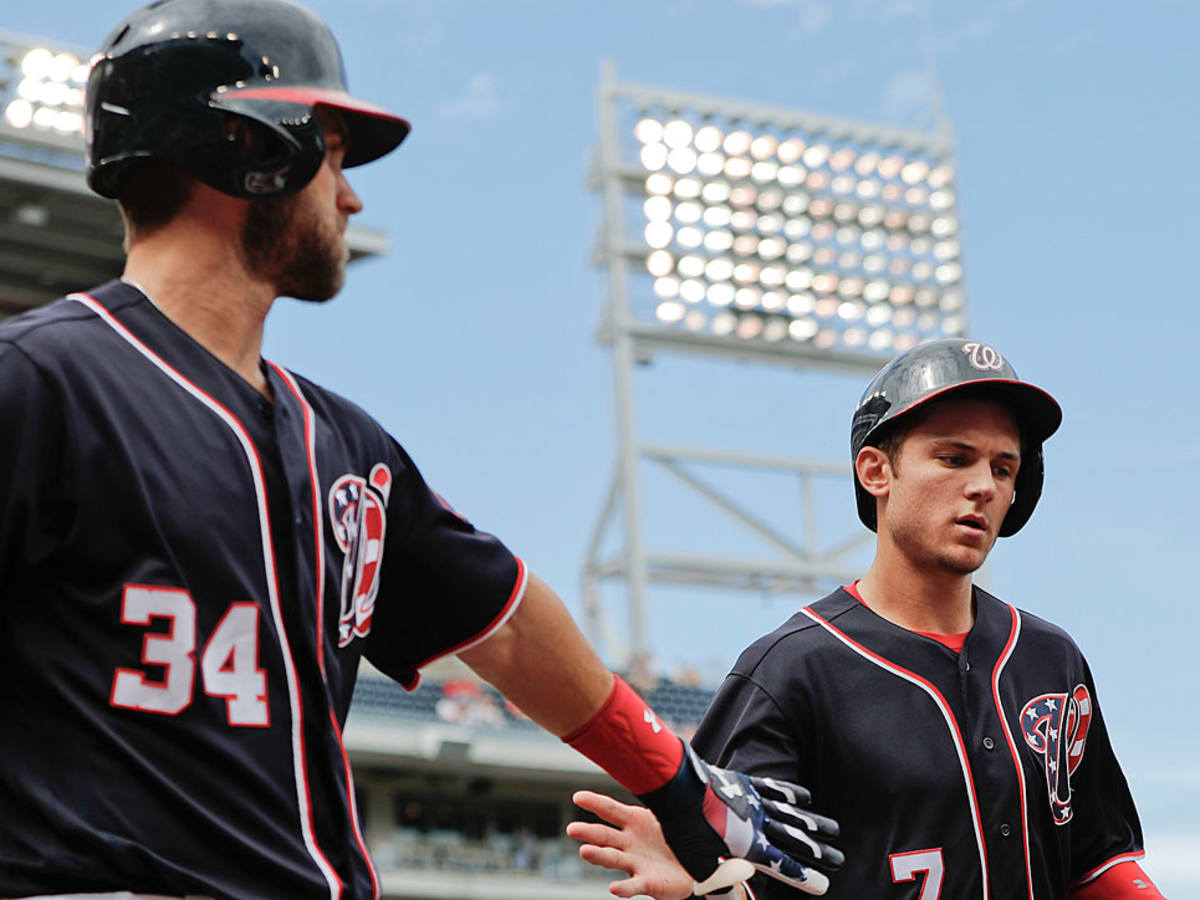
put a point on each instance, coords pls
(1172, 857)
(811, 15)
(989, 19)
(814, 15)
(1181, 778)
(908, 97)
(880, 12)
(1076, 40)
(479, 99)
(834, 73)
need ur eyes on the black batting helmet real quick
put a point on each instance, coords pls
(171, 75)
(938, 368)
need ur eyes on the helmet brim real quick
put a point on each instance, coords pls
(1038, 413)
(374, 131)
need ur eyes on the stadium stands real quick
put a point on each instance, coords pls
(466, 799)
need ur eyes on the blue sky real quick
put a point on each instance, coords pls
(1076, 137)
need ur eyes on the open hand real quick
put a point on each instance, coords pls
(634, 845)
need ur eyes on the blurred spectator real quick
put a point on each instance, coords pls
(464, 702)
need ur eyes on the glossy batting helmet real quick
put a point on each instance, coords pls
(172, 76)
(937, 369)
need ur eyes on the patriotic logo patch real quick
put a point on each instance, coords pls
(1056, 727)
(358, 514)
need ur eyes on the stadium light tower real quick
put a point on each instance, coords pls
(758, 233)
(56, 236)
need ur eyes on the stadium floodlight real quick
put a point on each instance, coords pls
(739, 231)
(42, 91)
(769, 226)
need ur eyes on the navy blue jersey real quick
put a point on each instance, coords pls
(980, 775)
(189, 575)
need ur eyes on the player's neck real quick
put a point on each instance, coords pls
(198, 282)
(919, 598)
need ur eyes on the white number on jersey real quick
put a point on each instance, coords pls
(906, 867)
(228, 665)
(131, 688)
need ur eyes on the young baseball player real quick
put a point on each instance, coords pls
(197, 546)
(957, 739)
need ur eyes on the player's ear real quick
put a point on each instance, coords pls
(874, 471)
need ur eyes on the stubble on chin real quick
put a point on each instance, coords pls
(957, 565)
(281, 244)
(925, 554)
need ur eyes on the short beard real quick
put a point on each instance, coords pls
(281, 245)
(911, 546)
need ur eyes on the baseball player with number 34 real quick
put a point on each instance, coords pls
(957, 739)
(198, 546)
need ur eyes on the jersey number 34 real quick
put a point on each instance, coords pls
(228, 664)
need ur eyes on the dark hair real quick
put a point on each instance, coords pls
(893, 438)
(898, 429)
(151, 193)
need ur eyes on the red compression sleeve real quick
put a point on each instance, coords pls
(627, 741)
(1124, 881)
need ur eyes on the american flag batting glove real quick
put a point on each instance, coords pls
(709, 814)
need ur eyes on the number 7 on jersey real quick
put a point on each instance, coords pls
(907, 866)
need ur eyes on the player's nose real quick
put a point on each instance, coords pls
(981, 482)
(348, 199)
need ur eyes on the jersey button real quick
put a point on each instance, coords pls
(989, 744)
(1005, 830)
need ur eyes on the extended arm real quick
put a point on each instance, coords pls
(540, 661)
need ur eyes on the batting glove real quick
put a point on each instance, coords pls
(710, 814)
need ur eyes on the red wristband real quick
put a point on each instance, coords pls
(628, 742)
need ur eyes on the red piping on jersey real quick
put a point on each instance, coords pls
(514, 600)
(1104, 867)
(929, 688)
(1013, 634)
(264, 517)
(310, 442)
(953, 642)
(318, 519)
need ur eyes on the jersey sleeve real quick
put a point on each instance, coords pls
(1105, 830)
(744, 729)
(445, 585)
(33, 496)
